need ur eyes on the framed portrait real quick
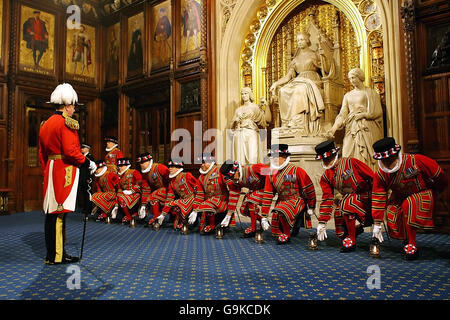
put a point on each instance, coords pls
(112, 53)
(37, 41)
(190, 98)
(438, 44)
(80, 54)
(135, 56)
(190, 29)
(161, 38)
(1, 31)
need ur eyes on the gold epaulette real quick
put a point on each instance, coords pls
(71, 123)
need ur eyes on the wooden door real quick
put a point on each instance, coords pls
(33, 175)
(153, 133)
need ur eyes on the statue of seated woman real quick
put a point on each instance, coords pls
(246, 122)
(362, 117)
(300, 98)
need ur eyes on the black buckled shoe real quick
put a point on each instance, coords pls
(69, 259)
(348, 245)
(283, 239)
(248, 233)
(411, 252)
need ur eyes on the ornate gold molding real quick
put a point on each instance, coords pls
(362, 14)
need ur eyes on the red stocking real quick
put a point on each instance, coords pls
(251, 209)
(410, 231)
(285, 227)
(350, 224)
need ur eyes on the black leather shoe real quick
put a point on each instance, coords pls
(347, 249)
(69, 259)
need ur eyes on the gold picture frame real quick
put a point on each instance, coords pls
(81, 53)
(190, 37)
(37, 41)
(161, 37)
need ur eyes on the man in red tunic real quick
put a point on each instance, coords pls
(129, 193)
(154, 191)
(252, 177)
(60, 155)
(107, 184)
(353, 180)
(296, 194)
(113, 153)
(415, 182)
(216, 195)
(184, 194)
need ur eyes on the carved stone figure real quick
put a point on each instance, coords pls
(300, 98)
(245, 125)
(362, 117)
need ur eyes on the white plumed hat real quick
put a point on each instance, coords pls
(64, 94)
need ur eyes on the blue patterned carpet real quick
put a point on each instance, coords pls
(124, 263)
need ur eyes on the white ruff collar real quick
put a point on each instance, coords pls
(109, 149)
(208, 170)
(149, 167)
(285, 163)
(176, 173)
(397, 166)
(240, 173)
(121, 173)
(331, 165)
(101, 172)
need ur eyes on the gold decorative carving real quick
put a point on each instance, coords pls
(334, 25)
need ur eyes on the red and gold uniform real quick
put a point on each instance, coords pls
(184, 194)
(60, 156)
(107, 184)
(154, 190)
(113, 154)
(295, 191)
(215, 199)
(129, 193)
(411, 202)
(353, 180)
(252, 177)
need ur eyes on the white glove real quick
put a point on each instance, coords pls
(114, 212)
(226, 221)
(160, 218)
(127, 192)
(142, 212)
(377, 233)
(92, 166)
(310, 211)
(321, 231)
(192, 217)
(265, 224)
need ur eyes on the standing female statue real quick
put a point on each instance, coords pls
(247, 120)
(362, 116)
(300, 100)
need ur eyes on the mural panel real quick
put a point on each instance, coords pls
(135, 44)
(1, 29)
(37, 44)
(80, 53)
(161, 17)
(112, 55)
(191, 29)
